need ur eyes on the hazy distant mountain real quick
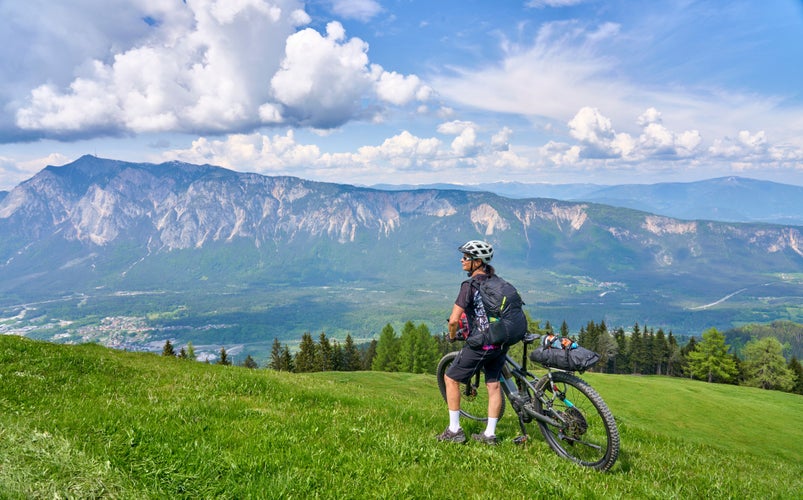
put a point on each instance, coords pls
(512, 189)
(256, 257)
(728, 199)
(732, 199)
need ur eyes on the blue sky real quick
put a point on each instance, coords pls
(408, 91)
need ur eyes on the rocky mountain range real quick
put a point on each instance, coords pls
(200, 245)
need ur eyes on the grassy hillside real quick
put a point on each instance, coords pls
(85, 421)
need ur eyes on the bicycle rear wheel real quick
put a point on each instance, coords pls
(587, 434)
(473, 395)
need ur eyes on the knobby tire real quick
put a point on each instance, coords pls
(590, 436)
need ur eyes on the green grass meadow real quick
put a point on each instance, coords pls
(90, 422)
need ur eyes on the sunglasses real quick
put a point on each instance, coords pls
(466, 258)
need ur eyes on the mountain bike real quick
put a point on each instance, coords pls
(574, 420)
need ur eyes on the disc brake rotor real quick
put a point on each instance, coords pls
(576, 424)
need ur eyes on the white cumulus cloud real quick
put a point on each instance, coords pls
(322, 78)
(257, 152)
(399, 89)
(204, 68)
(598, 139)
(208, 66)
(501, 140)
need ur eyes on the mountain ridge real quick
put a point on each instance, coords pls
(277, 256)
(726, 199)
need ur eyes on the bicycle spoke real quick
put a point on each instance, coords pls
(578, 441)
(587, 432)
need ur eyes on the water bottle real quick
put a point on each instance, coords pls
(555, 342)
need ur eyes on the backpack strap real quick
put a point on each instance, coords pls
(474, 283)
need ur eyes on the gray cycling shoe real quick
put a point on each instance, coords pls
(482, 438)
(455, 437)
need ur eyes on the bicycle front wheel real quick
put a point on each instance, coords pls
(587, 433)
(473, 395)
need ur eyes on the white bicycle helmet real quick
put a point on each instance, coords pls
(479, 250)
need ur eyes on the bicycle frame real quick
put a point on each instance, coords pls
(513, 370)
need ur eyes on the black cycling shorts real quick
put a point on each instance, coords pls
(469, 360)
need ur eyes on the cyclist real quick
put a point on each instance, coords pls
(474, 356)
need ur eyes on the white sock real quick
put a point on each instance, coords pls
(490, 430)
(454, 420)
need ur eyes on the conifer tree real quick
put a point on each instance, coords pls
(636, 350)
(675, 357)
(592, 337)
(710, 360)
(387, 354)
(224, 357)
(305, 357)
(426, 355)
(739, 376)
(582, 338)
(323, 354)
(797, 371)
(250, 363)
(190, 351)
(765, 366)
(369, 355)
(660, 352)
(690, 346)
(620, 364)
(648, 360)
(337, 356)
(168, 350)
(287, 360)
(407, 347)
(351, 356)
(276, 356)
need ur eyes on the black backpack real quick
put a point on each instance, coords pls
(503, 305)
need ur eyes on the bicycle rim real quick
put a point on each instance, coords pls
(473, 394)
(587, 434)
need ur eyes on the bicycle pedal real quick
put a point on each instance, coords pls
(520, 440)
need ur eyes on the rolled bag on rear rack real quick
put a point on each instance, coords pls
(578, 359)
